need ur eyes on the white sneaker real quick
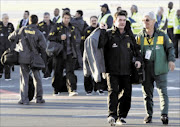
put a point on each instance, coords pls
(73, 93)
(111, 121)
(120, 121)
(56, 94)
(101, 92)
(89, 94)
(8, 79)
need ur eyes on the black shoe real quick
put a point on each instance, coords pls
(23, 103)
(0, 75)
(148, 119)
(55, 93)
(40, 101)
(164, 119)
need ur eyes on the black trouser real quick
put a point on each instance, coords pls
(6, 68)
(90, 84)
(71, 80)
(170, 34)
(119, 95)
(176, 39)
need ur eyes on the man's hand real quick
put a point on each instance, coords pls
(171, 65)
(63, 37)
(137, 64)
(103, 26)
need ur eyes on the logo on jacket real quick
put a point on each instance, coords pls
(128, 45)
(114, 45)
(44, 32)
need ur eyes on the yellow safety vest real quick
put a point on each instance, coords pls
(104, 18)
(59, 20)
(170, 18)
(137, 27)
(176, 25)
(163, 21)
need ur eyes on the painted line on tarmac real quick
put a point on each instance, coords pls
(7, 86)
(7, 92)
(100, 115)
(177, 69)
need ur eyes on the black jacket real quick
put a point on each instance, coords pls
(55, 35)
(4, 33)
(88, 31)
(119, 50)
(36, 40)
(44, 28)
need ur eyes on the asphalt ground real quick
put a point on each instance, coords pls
(81, 110)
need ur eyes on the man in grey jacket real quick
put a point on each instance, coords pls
(38, 42)
(78, 22)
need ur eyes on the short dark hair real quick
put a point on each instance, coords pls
(27, 11)
(66, 13)
(80, 12)
(46, 13)
(121, 13)
(93, 17)
(33, 19)
(118, 8)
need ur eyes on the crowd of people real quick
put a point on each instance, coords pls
(106, 51)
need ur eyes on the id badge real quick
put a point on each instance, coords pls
(148, 54)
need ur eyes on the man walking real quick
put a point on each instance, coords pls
(38, 43)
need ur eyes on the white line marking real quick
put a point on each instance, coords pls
(128, 114)
(177, 69)
(9, 86)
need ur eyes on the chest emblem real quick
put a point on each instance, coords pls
(114, 45)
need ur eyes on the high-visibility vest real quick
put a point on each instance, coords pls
(163, 21)
(104, 18)
(59, 20)
(176, 25)
(170, 17)
(137, 27)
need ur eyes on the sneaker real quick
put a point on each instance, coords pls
(148, 119)
(164, 119)
(56, 93)
(111, 121)
(121, 121)
(101, 92)
(21, 103)
(89, 93)
(73, 93)
(8, 79)
(40, 101)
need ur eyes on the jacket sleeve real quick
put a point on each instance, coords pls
(110, 22)
(78, 24)
(42, 42)
(136, 47)
(103, 38)
(53, 34)
(169, 48)
(13, 36)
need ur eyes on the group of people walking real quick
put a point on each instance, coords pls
(106, 51)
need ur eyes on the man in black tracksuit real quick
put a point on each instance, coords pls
(64, 33)
(119, 46)
(5, 29)
(45, 27)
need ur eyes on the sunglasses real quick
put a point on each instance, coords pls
(146, 20)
